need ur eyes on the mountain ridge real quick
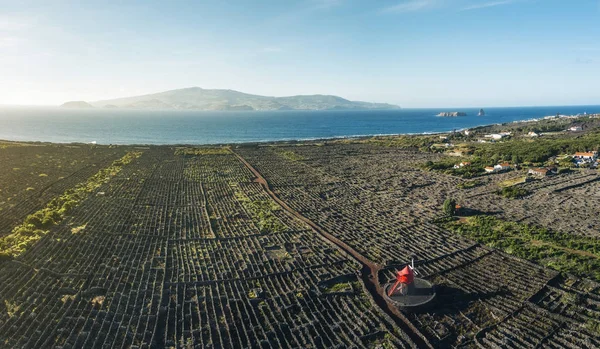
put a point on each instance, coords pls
(196, 98)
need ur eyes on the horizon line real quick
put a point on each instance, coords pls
(401, 107)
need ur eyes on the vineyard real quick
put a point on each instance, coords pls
(271, 247)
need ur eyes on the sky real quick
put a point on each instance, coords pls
(414, 53)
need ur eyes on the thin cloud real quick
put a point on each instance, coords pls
(487, 4)
(411, 6)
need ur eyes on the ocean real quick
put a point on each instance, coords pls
(109, 126)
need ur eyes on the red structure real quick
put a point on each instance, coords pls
(404, 278)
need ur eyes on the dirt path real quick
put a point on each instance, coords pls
(369, 272)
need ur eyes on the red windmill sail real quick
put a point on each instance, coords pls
(403, 277)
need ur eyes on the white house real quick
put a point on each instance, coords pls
(502, 167)
(575, 128)
(533, 134)
(489, 169)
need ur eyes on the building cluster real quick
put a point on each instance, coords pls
(505, 166)
(586, 158)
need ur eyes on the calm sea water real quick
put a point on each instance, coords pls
(193, 127)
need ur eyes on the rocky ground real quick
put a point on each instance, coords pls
(285, 246)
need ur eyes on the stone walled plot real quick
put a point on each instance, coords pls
(166, 254)
(382, 206)
(557, 317)
(31, 176)
(570, 198)
(192, 251)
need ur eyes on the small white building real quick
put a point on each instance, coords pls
(489, 169)
(495, 136)
(502, 167)
(533, 134)
(462, 164)
(575, 128)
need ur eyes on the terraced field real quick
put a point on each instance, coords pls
(272, 247)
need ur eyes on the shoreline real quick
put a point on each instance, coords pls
(312, 139)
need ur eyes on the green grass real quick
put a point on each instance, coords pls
(262, 212)
(290, 155)
(36, 225)
(562, 252)
(339, 287)
(201, 151)
(513, 181)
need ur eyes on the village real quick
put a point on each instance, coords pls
(579, 160)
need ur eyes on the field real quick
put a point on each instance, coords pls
(284, 245)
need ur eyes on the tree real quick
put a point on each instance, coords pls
(494, 159)
(516, 159)
(449, 207)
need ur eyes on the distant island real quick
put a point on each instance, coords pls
(451, 114)
(196, 98)
(76, 104)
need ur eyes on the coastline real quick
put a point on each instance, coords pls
(293, 140)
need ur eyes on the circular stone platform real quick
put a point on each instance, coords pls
(419, 292)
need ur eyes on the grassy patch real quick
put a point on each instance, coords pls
(38, 224)
(339, 287)
(201, 151)
(262, 211)
(291, 155)
(79, 229)
(513, 181)
(12, 308)
(562, 252)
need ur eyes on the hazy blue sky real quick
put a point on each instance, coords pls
(415, 53)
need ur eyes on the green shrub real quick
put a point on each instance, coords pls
(560, 251)
(513, 192)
